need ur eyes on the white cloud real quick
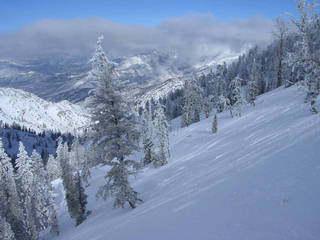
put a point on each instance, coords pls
(191, 37)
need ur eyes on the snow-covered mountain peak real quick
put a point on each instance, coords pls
(26, 109)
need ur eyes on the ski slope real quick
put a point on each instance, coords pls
(256, 179)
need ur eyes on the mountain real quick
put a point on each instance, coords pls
(255, 179)
(30, 111)
(69, 78)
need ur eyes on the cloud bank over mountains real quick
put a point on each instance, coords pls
(191, 37)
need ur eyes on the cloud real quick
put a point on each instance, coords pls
(190, 37)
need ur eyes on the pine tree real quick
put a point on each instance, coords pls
(236, 96)
(115, 132)
(53, 168)
(304, 56)
(193, 102)
(10, 205)
(215, 124)
(207, 106)
(63, 157)
(162, 135)
(252, 87)
(77, 155)
(44, 202)
(26, 178)
(148, 138)
(6, 232)
(219, 87)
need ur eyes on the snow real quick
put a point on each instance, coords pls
(257, 178)
(33, 112)
(158, 92)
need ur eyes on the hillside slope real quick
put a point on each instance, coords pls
(257, 178)
(26, 109)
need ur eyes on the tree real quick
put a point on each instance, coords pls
(215, 124)
(27, 184)
(252, 87)
(207, 105)
(148, 137)
(53, 168)
(67, 178)
(219, 87)
(162, 135)
(10, 206)
(280, 33)
(236, 96)
(115, 132)
(77, 154)
(6, 232)
(304, 56)
(193, 102)
(45, 210)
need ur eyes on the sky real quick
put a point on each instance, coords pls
(197, 27)
(16, 13)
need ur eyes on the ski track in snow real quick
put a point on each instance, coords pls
(257, 178)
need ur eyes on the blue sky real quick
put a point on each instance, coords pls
(16, 13)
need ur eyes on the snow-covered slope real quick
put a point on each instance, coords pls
(257, 178)
(33, 112)
(157, 92)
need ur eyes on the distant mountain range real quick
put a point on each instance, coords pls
(69, 78)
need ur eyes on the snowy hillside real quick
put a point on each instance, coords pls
(33, 112)
(161, 91)
(257, 178)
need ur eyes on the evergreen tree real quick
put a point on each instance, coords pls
(219, 87)
(304, 56)
(115, 131)
(252, 87)
(193, 102)
(53, 168)
(280, 33)
(148, 138)
(236, 96)
(162, 135)
(215, 124)
(44, 201)
(77, 154)
(207, 105)
(27, 184)
(63, 157)
(6, 232)
(10, 205)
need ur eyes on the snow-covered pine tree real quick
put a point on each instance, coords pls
(115, 131)
(10, 205)
(25, 177)
(44, 202)
(236, 96)
(280, 33)
(6, 232)
(53, 168)
(162, 136)
(148, 137)
(207, 105)
(219, 87)
(63, 157)
(304, 56)
(214, 124)
(77, 154)
(193, 101)
(252, 86)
